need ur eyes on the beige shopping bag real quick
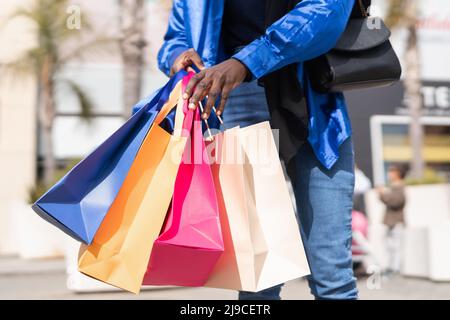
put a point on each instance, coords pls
(262, 241)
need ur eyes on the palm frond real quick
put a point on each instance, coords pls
(396, 13)
(97, 46)
(86, 104)
(49, 18)
(29, 63)
(20, 67)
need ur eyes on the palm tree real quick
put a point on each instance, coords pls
(132, 43)
(45, 61)
(404, 13)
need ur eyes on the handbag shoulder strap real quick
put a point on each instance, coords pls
(275, 9)
(360, 9)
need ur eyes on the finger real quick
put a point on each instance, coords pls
(191, 84)
(223, 100)
(190, 69)
(197, 60)
(201, 90)
(181, 62)
(213, 95)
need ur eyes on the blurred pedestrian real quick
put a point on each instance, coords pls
(394, 199)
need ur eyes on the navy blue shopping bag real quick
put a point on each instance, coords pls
(78, 203)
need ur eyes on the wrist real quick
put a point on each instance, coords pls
(248, 75)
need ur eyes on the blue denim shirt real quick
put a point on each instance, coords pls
(309, 30)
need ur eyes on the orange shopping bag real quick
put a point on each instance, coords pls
(121, 248)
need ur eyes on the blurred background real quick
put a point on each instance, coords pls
(70, 71)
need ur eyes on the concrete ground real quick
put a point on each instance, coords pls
(46, 279)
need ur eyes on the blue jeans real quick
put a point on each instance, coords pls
(324, 205)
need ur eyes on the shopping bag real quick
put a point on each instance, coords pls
(191, 242)
(262, 241)
(78, 202)
(120, 251)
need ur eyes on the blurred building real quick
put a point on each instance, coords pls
(17, 125)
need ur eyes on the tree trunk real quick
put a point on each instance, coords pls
(413, 91)
(46, 119)
(132, 43)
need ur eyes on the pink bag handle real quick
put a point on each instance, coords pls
(192, 127)
(187, 126)
(188, 113)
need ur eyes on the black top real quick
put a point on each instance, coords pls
(243, 22)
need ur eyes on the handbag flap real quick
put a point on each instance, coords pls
(362, 34)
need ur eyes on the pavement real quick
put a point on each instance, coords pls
(46, 279)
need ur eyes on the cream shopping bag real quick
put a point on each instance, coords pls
(262, 241)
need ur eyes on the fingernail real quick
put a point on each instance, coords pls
(192, 106)
(185, 96)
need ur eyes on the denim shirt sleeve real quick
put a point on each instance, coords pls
(175, 40)
(312, 28)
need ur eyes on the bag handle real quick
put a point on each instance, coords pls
(363, 9)
(196, 116)
(190, 69)
(210, 136)
(183, 117)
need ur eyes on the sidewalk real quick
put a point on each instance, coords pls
(11, 265)
(46, 279)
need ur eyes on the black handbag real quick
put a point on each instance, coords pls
(362, 58)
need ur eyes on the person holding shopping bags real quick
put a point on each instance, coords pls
(250, 56)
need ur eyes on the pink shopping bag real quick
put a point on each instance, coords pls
(191, 242)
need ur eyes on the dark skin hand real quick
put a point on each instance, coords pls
(185, 60)
(215, 83)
